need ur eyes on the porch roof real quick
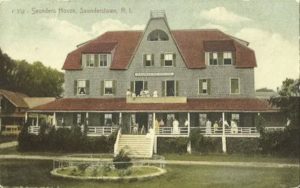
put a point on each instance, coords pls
(120, 105)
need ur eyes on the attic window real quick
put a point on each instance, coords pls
(158, 35)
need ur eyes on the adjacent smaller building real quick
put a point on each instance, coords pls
(13, 108)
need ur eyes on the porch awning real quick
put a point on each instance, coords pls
(192, 105)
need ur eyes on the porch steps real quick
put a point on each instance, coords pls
(138, 146)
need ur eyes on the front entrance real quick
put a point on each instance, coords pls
(139, 86)
(142, 121)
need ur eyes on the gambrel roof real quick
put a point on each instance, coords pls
(192, 45)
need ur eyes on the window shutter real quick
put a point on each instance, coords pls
(208, 86)
(145, 85)
(177, 88)
(109, 60)
(83, 60)
(75, 87)
(132, 86)
(102, 87)
(206, 58)
(163, 90)
(200, 86)
(96, 60)
(174, 60)
(144, 59)
(162, 59)
(152, 59)
(114, 87)
(87, 85)
(220, 58)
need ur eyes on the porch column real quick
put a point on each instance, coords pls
(54, 119)
(155, 145)
(87, 118)
(153, 121)
(37, 120)
(120, 119)
(0, 124)
(223, 133)
(189, 123)
(26, 117)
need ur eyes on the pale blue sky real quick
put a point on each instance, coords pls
(271, 27)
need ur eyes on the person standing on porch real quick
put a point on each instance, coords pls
(175, 126)
(186, 123)
(208, 127)
(216, 126)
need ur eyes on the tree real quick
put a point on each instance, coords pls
(289, 100)
(35, 80)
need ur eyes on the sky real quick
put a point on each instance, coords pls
(47, 30)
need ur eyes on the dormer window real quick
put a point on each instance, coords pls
(96, 60)
(227, 58)
(158, 35)
(213, 58)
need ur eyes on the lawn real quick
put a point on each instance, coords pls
(36, 173)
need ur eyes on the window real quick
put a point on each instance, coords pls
(108, 87)
(170, 88)
(235, 117)
(90, 60)
(213, 58)
(148, 60)
(138, 86)
(108, 119)
(78, 118)
(234, 86)
(227, 58)
(204, 86)
(81, 87)
(103, 60)
(168, 60)
(158, 35)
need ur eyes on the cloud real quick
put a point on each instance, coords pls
(222, 15)
(214, 26)
(277, 58)
(62, 38)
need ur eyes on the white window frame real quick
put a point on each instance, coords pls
(202, 116)
(99, 58)
(107, 116)
(77, 89)
(235, 116)
(206, 79)
(104, 87)
(146, 59)
(239, 85)
(224, 57)
(92, 58)
(213, 54)
(165, 55)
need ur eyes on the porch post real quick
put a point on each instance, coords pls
(37, 120)
(26, 117)
(153, 121)
(0, 124)
(189, 122)
(87, 118)
(154, 131)
(223, 133)
(54, 119)
(120, 119)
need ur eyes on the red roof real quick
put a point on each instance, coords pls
(123, 44)
(119, 104)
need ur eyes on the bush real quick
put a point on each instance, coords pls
(122, 161)
(282, 143)
(64, 140)
(243, 145)
(172, 145)
(202, 144)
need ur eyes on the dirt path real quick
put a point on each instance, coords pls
(173, 162)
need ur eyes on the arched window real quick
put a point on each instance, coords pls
(158, 35)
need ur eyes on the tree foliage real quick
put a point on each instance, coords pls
(35, 79)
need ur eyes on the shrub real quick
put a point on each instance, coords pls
(202, 144)
(243, 145)
(122, 160)
(172, 145)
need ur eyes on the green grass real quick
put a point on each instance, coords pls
(230, 158)
(36, 174)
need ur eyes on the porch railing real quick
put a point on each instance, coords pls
(34, 130)
(270, 129)
(228, 131)
(171, 131)
(100, 130)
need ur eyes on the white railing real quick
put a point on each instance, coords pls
(271, 129)
(228, 131)
(117, 142)
(34, 130)
(63, 127)
(183, 131)
(100, 130)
